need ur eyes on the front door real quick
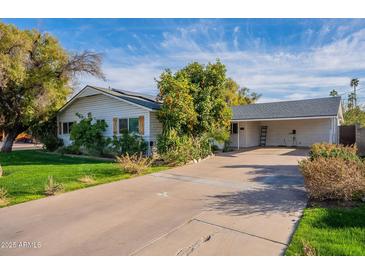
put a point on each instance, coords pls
(241, 136)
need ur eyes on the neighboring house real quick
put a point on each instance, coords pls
(118, 108)
(291, 123)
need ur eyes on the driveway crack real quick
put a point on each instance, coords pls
(188, 250)
(239, 231)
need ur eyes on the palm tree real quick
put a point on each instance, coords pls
(351, 101)
(334, 93)
(354, 83)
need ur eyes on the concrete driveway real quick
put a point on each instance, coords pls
(245, 203)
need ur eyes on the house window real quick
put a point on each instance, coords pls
(133, 125)
(66, 127)
(123, 125)
(130, 125)
(234, 128)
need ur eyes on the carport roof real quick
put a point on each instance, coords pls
(319, 107)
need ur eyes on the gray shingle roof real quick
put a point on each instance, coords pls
(328, 106)
(141, 99)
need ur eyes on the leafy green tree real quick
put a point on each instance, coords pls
(177, 110)
(194, 100)
(334, 93)
(195, 109)
(355, 115)
(239, 96)
(35, 77)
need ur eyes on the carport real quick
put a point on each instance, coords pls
(290, 123)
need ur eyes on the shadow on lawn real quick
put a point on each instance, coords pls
(341, 218)
(33, 157)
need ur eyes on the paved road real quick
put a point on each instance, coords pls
(24, 146)
(243, 203)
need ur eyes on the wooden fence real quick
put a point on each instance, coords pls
(348, 135)
(360, 140)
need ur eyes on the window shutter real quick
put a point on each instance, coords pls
(115, 126)
(141, 125)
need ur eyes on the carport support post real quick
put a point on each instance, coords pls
(238, 135)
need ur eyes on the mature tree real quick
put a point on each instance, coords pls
(35, 77)
(194, 100)
(351, 99)
(355, 115)
(334, 93)
(239, 96)
(354, 83)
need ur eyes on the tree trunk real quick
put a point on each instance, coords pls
(8, 140)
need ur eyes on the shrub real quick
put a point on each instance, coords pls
(88, 134)
(71, 149)
(333, 151)
(51, 188)
(87, 180)
(51, 143)
(333, 178)
(46, 133)
(3, 197)
(215, 148)
(177, 150)
(227, 146)
(308, 249)
(134, 164)
(129, 143)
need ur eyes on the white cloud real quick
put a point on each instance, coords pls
(276, 73)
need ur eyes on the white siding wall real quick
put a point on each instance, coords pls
(155, 125)
(234, 137)
(249, 137)
(252, 131)
(103, 107)
(308, 132)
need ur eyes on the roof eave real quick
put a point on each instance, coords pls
(106, 94)
(283, 118)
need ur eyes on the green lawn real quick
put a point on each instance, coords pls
(26, 173)
(330, 231)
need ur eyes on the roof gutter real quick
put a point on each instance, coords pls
(283, 119)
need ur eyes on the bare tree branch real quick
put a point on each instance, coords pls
(86, 62)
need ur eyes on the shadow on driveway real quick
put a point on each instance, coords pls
(261, 201)
(279, 190)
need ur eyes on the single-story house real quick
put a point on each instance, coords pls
(290, 123)
(121, 110)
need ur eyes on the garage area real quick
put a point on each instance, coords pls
(284, 133)
(287, 124)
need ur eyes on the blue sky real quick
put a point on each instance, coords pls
(282, 59)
